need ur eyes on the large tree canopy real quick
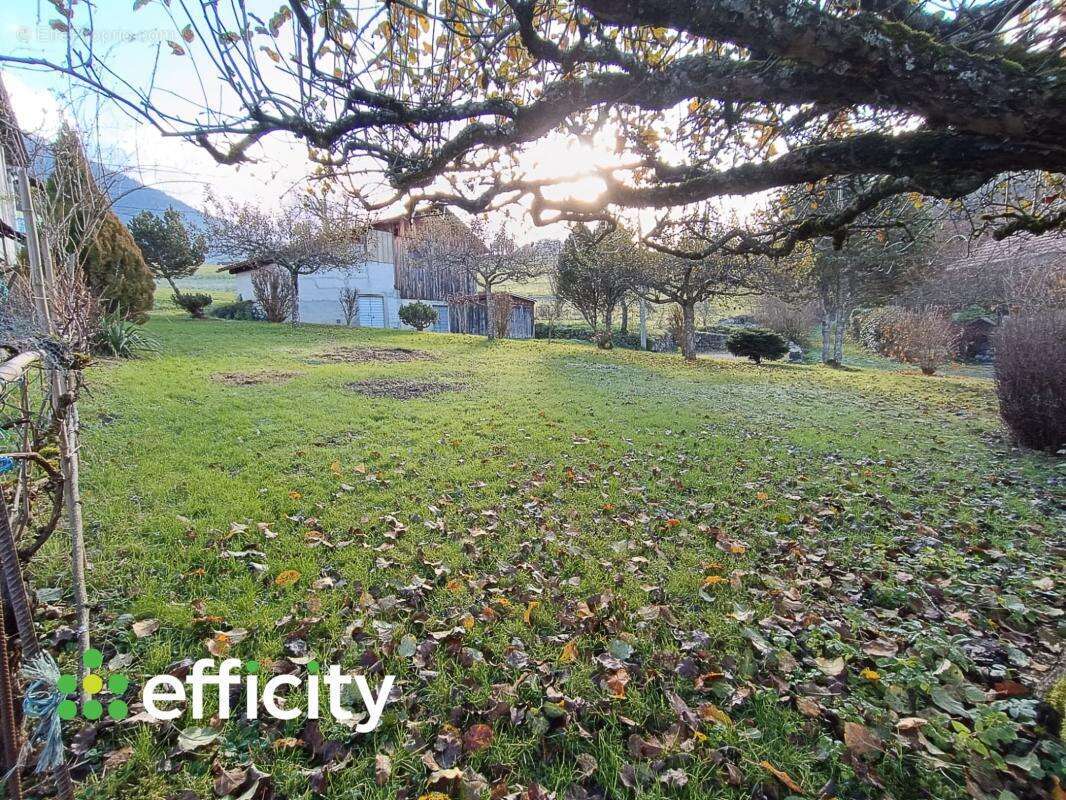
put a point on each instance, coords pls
(698, 99)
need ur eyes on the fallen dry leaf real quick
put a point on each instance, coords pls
(861, 741)
(145, 627)
(477, 737)
(782, 776)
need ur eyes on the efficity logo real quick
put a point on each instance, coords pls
(166, 697)
(93, 684)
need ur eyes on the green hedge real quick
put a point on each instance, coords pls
(584, 333)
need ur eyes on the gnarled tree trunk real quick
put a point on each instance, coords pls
(688, 330)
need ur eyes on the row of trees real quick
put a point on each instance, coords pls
(887, 250)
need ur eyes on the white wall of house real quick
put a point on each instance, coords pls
(8, 247)
(375, 283)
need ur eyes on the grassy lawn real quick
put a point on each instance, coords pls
(646, 578)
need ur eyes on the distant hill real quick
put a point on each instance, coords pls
(130, 197)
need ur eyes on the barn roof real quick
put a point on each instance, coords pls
(1019, 248)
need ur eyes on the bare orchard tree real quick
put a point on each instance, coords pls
(301, 238)
(552, 307)
(489, 258)
(595, 270)
(883, 252)
(349, 299)
(688, 282)
(699, 99)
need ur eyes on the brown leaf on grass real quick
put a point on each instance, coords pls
(861, 741)
(117, 758)
(910, 724)
(145, 627)
(477, 737)
(782, 776)
(617, 682)
(880, 648)
(527, 617)
(830, 666)
(287, 578)
(569, 653)
(382, 769)
(709, 712)
(809, 707)
(227, 781)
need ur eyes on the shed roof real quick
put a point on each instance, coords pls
(480, 297)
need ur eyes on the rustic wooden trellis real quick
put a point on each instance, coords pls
(39, 420)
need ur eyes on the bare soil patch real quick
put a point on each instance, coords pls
(399, 389)
(254, 378)
(363, 355)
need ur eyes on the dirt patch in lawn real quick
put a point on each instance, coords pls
(254, 378)
(397, 389)
(363, 355)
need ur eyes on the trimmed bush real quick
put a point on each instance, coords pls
(239, 310)
(1031, 378)
(193, 302)
(757, 344)
(418, 315)
(879, 329)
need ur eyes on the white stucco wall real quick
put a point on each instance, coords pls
(374, 280)
(320, 294)
(8, 247)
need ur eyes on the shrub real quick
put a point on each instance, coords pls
(240, 310)
(574, 331)
(794, 321)
(193, 302)
(349, 300)
(1031, 378)
(757, 344)
(121, 338)
(272, 287)
(926, 338)
(878, 329)
(418, 315)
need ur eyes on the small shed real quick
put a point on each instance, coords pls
(468, 314)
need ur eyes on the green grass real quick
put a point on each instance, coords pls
(220, 285)
(590, 492)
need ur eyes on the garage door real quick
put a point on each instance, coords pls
(371, 311)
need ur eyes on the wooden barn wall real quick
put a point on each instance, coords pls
(470, 318)
(428, 283)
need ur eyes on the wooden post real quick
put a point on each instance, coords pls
(65, 408)
(643, 325)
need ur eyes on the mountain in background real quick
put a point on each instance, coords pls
(130, 197)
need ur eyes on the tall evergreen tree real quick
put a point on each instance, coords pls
(94, 238)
